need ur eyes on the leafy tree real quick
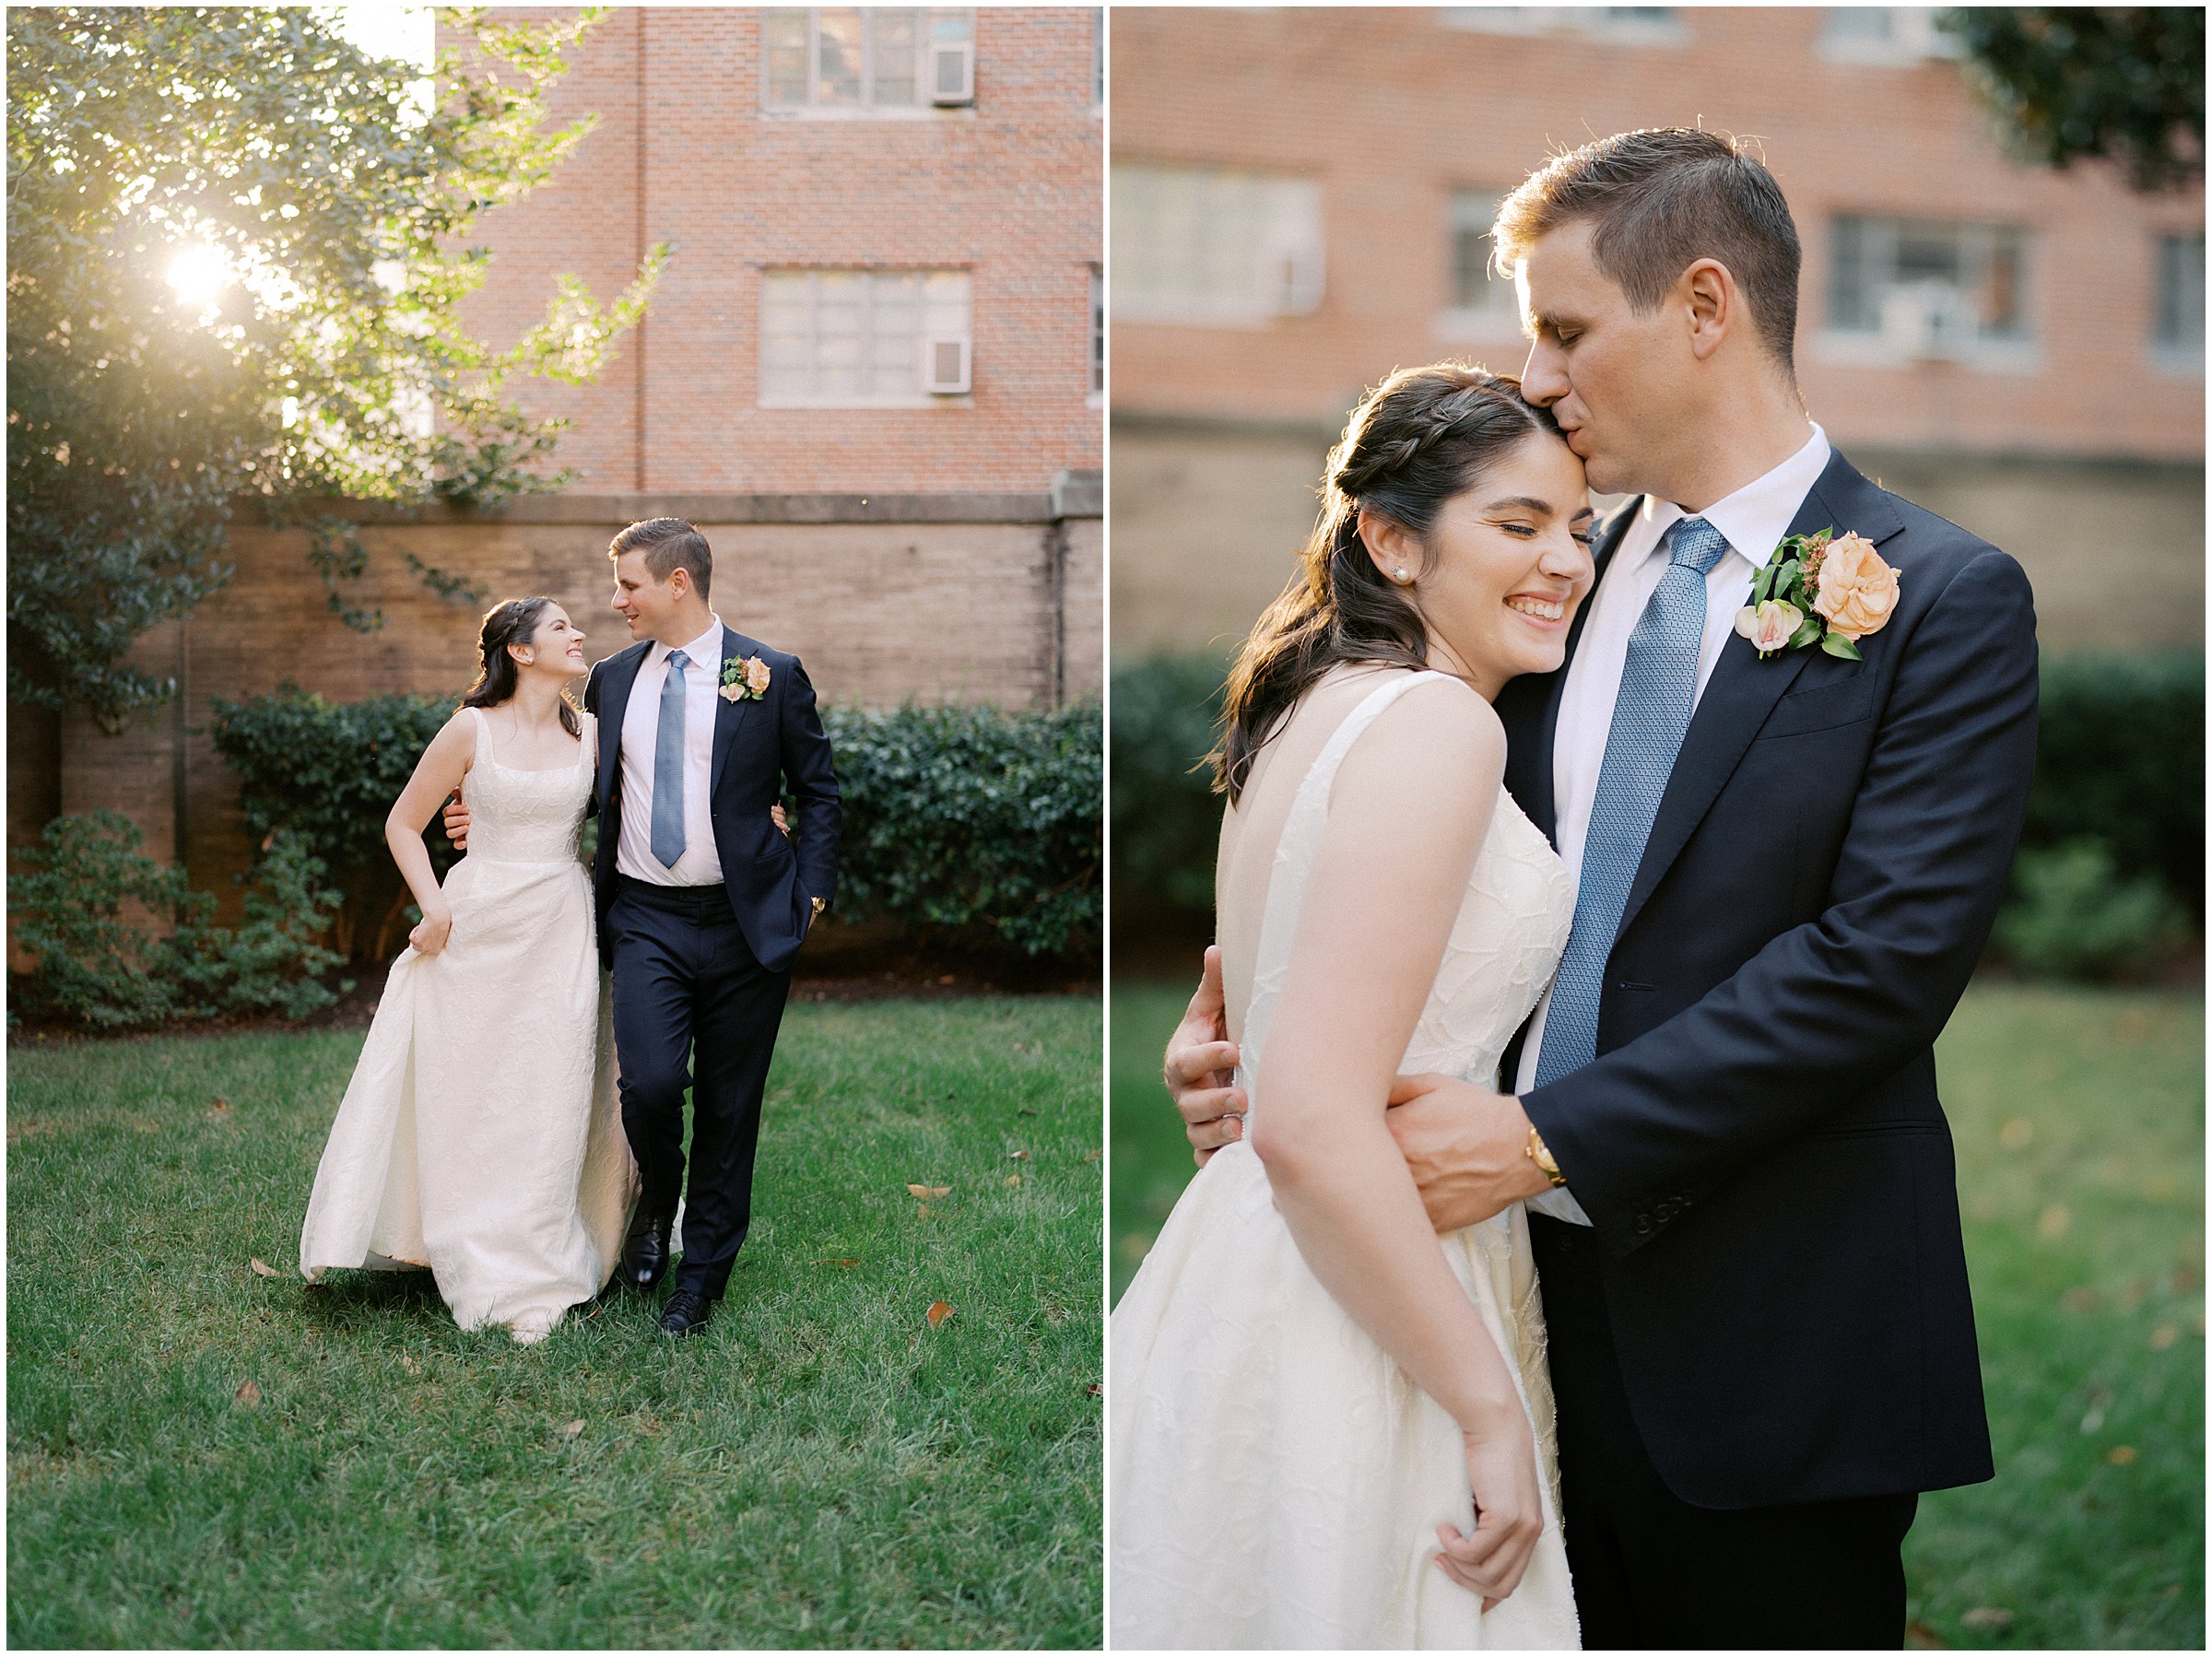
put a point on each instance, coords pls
(237, 252)
(2124, 83)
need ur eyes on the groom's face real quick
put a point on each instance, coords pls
(650, 607)
(1609, 374)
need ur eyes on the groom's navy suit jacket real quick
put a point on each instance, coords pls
(757, 745)
(1758, 1140)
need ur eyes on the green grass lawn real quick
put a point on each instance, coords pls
(815, 1469)
(2079, 1121)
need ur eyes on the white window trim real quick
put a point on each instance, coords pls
(810, 110)
(1918, 42)
(1839, 348)
(1588, 22)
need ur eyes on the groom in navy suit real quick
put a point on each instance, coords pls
(1724, 1111)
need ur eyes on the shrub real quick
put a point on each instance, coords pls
(973, 819)
(2077, 917)
(119, 940)
(328, 773)
(969, 819)
(2120, 759)
(1167, 819)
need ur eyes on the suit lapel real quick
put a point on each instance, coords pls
(620, 676)
(728, 714)
(1536, 724)
(1743, 689)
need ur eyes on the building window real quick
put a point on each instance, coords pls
(2179, 337)
(1620, 24)
(1927, 287)
(867, 60)
(1097, 334)
(1198, 244)
(859, 338)
(1097, 60)
(1483, 302)
(1896, 35)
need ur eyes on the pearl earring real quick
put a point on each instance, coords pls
(1399, 574)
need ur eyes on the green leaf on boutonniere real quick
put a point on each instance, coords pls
(1835, 644)
(1786, 576)
(1805, 635)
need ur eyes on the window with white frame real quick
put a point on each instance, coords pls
(1204, 244)
(2179, 333)
(1482, 300)
(861, 339)
(1895, 36)
(867, 60)
(1927, 287)
(1098, 333)
(1620, 24)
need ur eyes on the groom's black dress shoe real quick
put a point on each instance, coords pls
(685, 1313)
(645, 1249)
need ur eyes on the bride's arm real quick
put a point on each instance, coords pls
(440, 770)
(1410, 807)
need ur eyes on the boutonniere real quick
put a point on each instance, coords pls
(1821, 589)
(744, 681)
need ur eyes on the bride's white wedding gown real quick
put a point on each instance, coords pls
(1277, 1480)
(481, 1134)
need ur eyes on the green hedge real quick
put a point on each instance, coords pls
(977, 824)
(2111, 868)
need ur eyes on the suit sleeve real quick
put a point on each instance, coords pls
(1833, 1008)
(813, 783)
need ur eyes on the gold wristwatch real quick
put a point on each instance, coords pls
(1540, 1153)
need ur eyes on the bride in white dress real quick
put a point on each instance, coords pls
(1331, 1427)
(481, 1135)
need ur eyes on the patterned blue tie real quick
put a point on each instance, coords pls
(668, 766)
(1658, 689)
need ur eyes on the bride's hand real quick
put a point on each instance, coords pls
(1509, 1515)
(1198, 1069)
(432, 932)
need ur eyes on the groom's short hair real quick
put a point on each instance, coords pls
(669, 545)
(1658, 201)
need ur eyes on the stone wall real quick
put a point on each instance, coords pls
(964, 597)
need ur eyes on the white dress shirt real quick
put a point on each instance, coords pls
(700, 864)
(1754, 520)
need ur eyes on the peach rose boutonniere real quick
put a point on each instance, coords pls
(1821, 589)
(744, 681)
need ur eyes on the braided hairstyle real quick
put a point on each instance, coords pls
(1421, 438)
(513, 622)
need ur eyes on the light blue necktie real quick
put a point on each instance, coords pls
(1658, 689)
(668, 766)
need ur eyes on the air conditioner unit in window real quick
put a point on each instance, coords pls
(1932, 321)
(945, 365)
(952, 73)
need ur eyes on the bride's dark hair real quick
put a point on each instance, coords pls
(513, 622)
(1415, 442)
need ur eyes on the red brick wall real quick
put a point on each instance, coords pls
(1392, 110)
(1011, 190)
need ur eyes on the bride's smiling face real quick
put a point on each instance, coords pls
(556, 647)
(1498, 576)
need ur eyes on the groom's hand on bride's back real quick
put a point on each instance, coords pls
(1199, 1067)
(1466, 1147)
(456, 821)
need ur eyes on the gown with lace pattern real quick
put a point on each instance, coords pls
(1277, 1479)
(481, 1134)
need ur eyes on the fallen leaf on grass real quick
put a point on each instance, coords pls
(826, 1261)
(219, 1110)
(1014, 1178)
(248, 1394)
(2121, 1454)
(1017, 1156)
(1090, 1155)
(410, 1366)
(1094, 1389)
(1023, 1110)
(1920, 1638)
(930, 1191)
(1994, 1619)
(938, 1312)
(572, 1429)
(261, 1269)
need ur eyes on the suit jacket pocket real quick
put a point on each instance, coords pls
(1822, 707)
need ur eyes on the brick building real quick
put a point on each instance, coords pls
(872, 373)
(1299, 199)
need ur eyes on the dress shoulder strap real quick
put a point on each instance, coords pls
(483, 735)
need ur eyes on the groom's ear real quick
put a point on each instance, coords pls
(1713, 304)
